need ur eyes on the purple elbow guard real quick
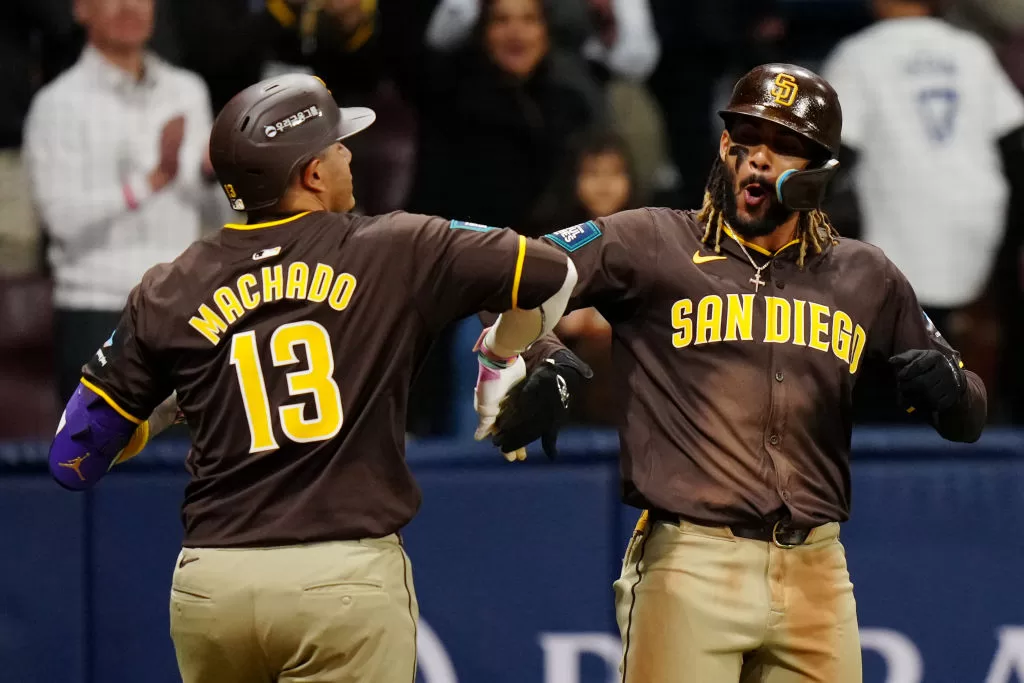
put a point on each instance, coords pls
(89, 437)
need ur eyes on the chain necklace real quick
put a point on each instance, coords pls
(756, 280)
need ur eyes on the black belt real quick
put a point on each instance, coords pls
(779, 531)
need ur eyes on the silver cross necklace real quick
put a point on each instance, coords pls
(756, 280)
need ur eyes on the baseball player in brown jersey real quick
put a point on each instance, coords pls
(291, 341)
(739, 332)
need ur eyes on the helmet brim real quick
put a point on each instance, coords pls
(355, 120)
(756, 111)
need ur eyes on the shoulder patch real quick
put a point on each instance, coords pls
(575, 237)
(466, 225)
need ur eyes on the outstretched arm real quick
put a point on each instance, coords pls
(613, 257)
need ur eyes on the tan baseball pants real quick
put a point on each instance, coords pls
(342, 612)
(695, 604)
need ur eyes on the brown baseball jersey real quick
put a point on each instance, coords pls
(736, 395)
(291, 346)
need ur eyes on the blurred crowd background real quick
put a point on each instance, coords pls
(531, 114)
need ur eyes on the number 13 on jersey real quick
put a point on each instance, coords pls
(317, 380)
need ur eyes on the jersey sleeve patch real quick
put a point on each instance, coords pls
(466, 225)
(575, 237)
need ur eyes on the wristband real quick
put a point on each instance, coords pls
(492, 360)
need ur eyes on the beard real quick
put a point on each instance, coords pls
(772, 217)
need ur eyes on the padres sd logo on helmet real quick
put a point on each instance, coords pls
(785, 90)
(790, 96)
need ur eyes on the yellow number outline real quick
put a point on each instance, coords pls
(317, 380)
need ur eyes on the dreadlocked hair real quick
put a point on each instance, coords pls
(813, 227)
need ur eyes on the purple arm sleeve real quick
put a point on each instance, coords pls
(88, 440)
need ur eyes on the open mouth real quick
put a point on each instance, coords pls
(755, 194)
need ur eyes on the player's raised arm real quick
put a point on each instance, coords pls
(119, 405)
(614, 257)
(462, 268)
(930, 376)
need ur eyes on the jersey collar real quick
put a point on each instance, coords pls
(786, 248)
(268, 224)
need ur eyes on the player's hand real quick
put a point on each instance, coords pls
(491, 386)
(538, 407)
(928, 380)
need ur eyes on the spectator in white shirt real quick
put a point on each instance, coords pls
(926, 110)
(117, 152)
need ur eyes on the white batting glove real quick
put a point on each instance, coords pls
(492, 383)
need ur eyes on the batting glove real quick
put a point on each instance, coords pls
(540, 406)
(928, 380)
(495, 376)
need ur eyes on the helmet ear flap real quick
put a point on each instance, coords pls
(805, 190)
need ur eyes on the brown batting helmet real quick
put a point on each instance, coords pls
(270, 130)
(790, 96)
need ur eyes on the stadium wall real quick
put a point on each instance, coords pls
(514, 563)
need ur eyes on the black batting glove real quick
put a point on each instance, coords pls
(927, 380)
(537, 407)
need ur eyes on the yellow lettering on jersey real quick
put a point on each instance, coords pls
(739, 321)
(860, 338)
(246, 283)
(323, 276)
(681, 311)
(209, 324)
(318, 381)
(842, 331)
(709, 319)
(799, 332)
(777, 320)
(228, 304)
(829, 331)
(273, 283)
(298, 281)
(819, 326)
(341, 292)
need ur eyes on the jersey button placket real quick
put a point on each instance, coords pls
(778, 398)
(775, 396)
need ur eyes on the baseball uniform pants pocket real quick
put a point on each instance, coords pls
(194, 579)
(355, 623)
(188, 595)
(344, 588)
